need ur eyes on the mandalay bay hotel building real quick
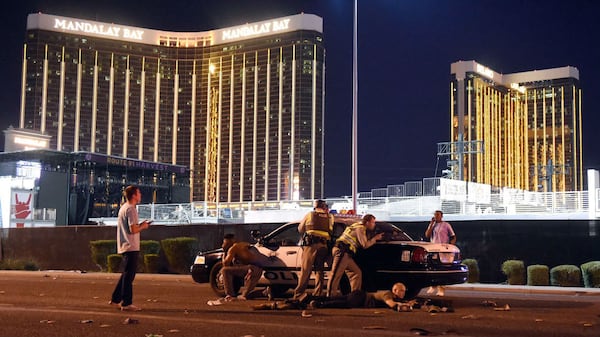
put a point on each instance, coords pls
(519, 130)
(242, 107)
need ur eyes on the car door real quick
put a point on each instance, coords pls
(284, 255)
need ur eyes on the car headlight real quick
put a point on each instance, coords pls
(200, 260)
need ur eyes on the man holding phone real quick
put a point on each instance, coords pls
(439, 231)
(128, 244)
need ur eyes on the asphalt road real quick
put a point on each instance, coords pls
(56, 303)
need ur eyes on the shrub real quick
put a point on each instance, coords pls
(590, 272)
(514, 271)
(100, 250)
(152, 263)
(18, 264)
(180, 253)
(565, 275)
(114, 262)
(473, 276)
(149, 247)
(537, 275)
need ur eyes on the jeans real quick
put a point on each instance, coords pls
(123, 292)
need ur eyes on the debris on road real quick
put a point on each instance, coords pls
(374, 327)
(488, 303)
(131, 321)
(506, 307)
(419, 332)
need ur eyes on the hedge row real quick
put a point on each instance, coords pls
(563, 275)
(541, 275)
(177, 252)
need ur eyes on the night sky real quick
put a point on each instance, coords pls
(405, 49)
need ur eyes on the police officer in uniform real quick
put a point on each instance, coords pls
(353, 238)
(316, 227)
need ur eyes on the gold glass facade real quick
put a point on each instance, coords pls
(246, 116)
(531, 129)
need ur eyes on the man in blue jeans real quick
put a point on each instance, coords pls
(128, 244)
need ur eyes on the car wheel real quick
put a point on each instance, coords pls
(216, 279)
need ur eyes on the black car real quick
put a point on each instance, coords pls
(395, 258)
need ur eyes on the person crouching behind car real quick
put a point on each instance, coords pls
(241, 259)
(316, 228)
(353, 238)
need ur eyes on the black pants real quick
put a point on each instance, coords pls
(123, 292)
(355, 299)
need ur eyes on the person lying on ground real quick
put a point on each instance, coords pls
(393, 299)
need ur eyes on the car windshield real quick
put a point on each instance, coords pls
(283, 236)
(391, 232)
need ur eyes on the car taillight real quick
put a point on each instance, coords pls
(419, 255)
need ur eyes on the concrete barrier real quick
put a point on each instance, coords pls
(67, 247)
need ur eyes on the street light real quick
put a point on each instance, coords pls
(355, 111)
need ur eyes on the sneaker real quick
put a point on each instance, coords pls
(218, 301)
(222, 300)
(241, 298)
(112, 303)
(130, 307)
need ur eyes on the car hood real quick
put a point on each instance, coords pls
(212, 251)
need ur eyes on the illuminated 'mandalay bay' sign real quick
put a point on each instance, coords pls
(156, 37)
(256, 29)
(98, 29)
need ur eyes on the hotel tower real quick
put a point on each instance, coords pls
(519, 130)
(242, 107)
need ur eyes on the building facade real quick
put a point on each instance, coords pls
(520, 130)
(241, 107)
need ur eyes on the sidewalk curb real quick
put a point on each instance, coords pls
(524, 289)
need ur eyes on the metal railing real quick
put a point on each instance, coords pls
(516, 204)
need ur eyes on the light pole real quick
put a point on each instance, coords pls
(355, 111)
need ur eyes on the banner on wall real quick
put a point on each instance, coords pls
(453, 190)
(21, 207)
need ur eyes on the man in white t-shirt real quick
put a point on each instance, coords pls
(128, 244)
(439, 231)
